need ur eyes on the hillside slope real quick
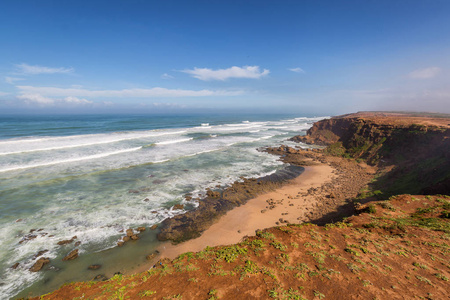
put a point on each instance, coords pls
(414, 150)
(396, 249)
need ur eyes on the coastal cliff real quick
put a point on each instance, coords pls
(413, 150)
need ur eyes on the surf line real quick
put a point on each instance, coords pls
(101, 155)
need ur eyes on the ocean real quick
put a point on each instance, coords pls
(94, 176)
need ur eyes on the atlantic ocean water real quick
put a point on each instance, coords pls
(94, 176)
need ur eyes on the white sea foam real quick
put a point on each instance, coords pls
(266, 137)
(124, 136)
(96, 203)
(201, 152)
(174, 141)
(70, 160)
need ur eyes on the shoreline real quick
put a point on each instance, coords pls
(318, 193)
(288, 204)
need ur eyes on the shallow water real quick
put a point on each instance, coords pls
(90, 178)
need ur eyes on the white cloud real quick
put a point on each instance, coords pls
(425, 73)
(168, 105)
(166, 76)
(126, 93)
(12, 80)
(297, 70)
(36, 99)
(76, 100)
(223, 74)
(34, 70)
(3, 93)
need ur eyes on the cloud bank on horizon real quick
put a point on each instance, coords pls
(206, 74)
(357, 56)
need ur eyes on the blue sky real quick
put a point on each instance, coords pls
(304, 56)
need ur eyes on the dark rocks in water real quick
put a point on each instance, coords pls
(213, 194)
(188, 197)
(134, 237)
(126, 238)
(153, 227)
(40, 253)
(133, 191)
(65, 242)
(146, 200)
(154, 212)
(94, 267)
(158, 181)
(130, 232)
(140, 229)
(178, 206)
(120, 243)
(53, 268)
(192, 223)
(27, 238)
(39, 264)
(150, 256)
(77, 244)
(100, 277)
(72, 255)
(14, 266)
(19, 220)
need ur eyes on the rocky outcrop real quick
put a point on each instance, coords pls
(416, 147)
(178, 206)
(192, 223)
(326, 132)
(65, 242)
(94, 267)
(39, 264)
(72, 255)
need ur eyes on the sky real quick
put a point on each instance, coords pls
(304, 56)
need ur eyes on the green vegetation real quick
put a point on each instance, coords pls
(230, 253)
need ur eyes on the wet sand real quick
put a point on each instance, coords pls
(288, 204)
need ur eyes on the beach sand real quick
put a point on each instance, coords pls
(288, 202)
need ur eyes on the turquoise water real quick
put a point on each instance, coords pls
(95, 176)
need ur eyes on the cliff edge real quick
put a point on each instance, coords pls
(413, 149)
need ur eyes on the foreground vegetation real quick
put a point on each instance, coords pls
(394, 249)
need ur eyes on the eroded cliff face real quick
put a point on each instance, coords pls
(418, 149)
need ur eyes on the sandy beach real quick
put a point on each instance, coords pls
(288, 205)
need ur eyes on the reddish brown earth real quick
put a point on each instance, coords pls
(396, 249)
